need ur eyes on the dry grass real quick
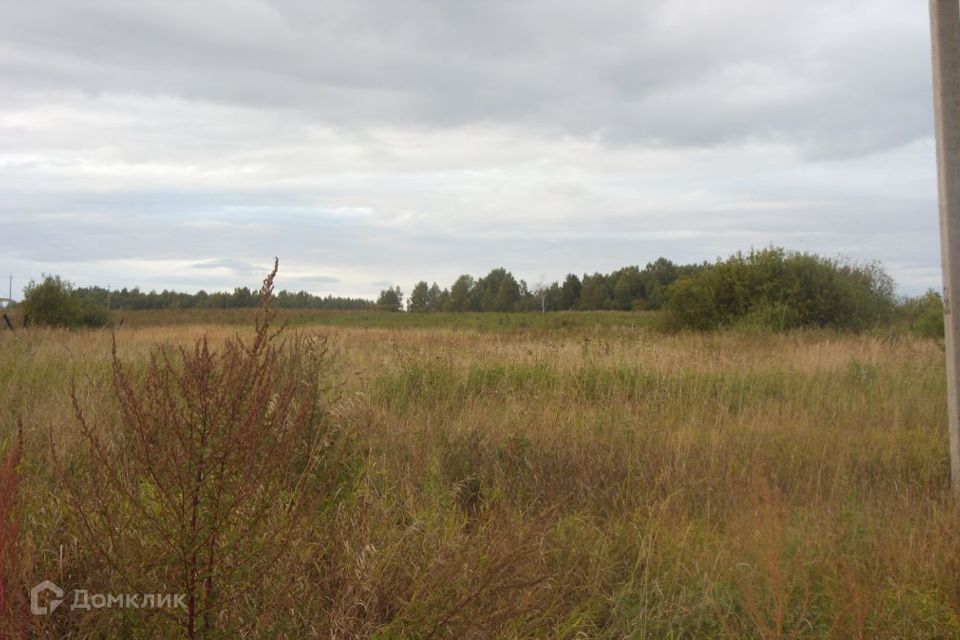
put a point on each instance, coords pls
(583, 482)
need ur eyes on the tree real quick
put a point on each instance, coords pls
(243, 298)
(461, 294)
(594, 293)
(924, 314)
(544, 296)
(553, 296)
(628, 288)
(780, 290)
(52, 303)
(419, 301)
(500, 291)
(435, 297)
(390, 299)
(657, 278)
(570, 292)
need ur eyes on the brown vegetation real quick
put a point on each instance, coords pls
(581, 481)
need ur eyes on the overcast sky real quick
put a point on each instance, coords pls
(184, 144)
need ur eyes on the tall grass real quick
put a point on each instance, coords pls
(373, 319)
(12, 619)
(592, 481)
(199, 483)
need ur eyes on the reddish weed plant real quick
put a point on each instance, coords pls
(200, 482)
(11, 613)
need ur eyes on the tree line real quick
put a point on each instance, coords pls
(629, 288)
(240, 298)
(772, 289)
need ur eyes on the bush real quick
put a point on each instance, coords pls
(390, 300)
(52, 303)
(923, 315)
(200, 483)
(779, 290)
(11, 596)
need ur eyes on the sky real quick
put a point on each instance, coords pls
(183, 144)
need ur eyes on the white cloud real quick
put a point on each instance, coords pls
(368, 140)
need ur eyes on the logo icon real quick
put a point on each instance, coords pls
(52, 603)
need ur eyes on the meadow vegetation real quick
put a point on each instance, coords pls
(53, 302)
(479, 476)
(763, 290)
(778, 290)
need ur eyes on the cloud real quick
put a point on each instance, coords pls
(357, 140)
(845, 76)
(232, 265)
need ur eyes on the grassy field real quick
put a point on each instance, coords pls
(384, 320)
(559, 476)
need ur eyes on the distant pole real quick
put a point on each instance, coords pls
(945, 38)
(10, 293)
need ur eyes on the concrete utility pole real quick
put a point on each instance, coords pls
(945, 38)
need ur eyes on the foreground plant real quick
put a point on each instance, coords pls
(11, 613)
(198, 485)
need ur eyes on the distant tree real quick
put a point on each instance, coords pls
(594, 293)
(419, 301)
(570, 292)
(627, 288)
(553, 296)
(776, 289)
(243, 298)
(509, 293)
(435, 298)
(662, 270)
(542, 296)
(924, 314)
(657, 278)
(390, 299)
(443, 301)
(462, 294)
(500, 290)
(52, 302)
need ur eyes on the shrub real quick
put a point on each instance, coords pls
(11, 612)
(693, 303)
(923, 315)
(780, 290)
(199, 485)
(390, 300)
(52, 303)
(91, 315)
